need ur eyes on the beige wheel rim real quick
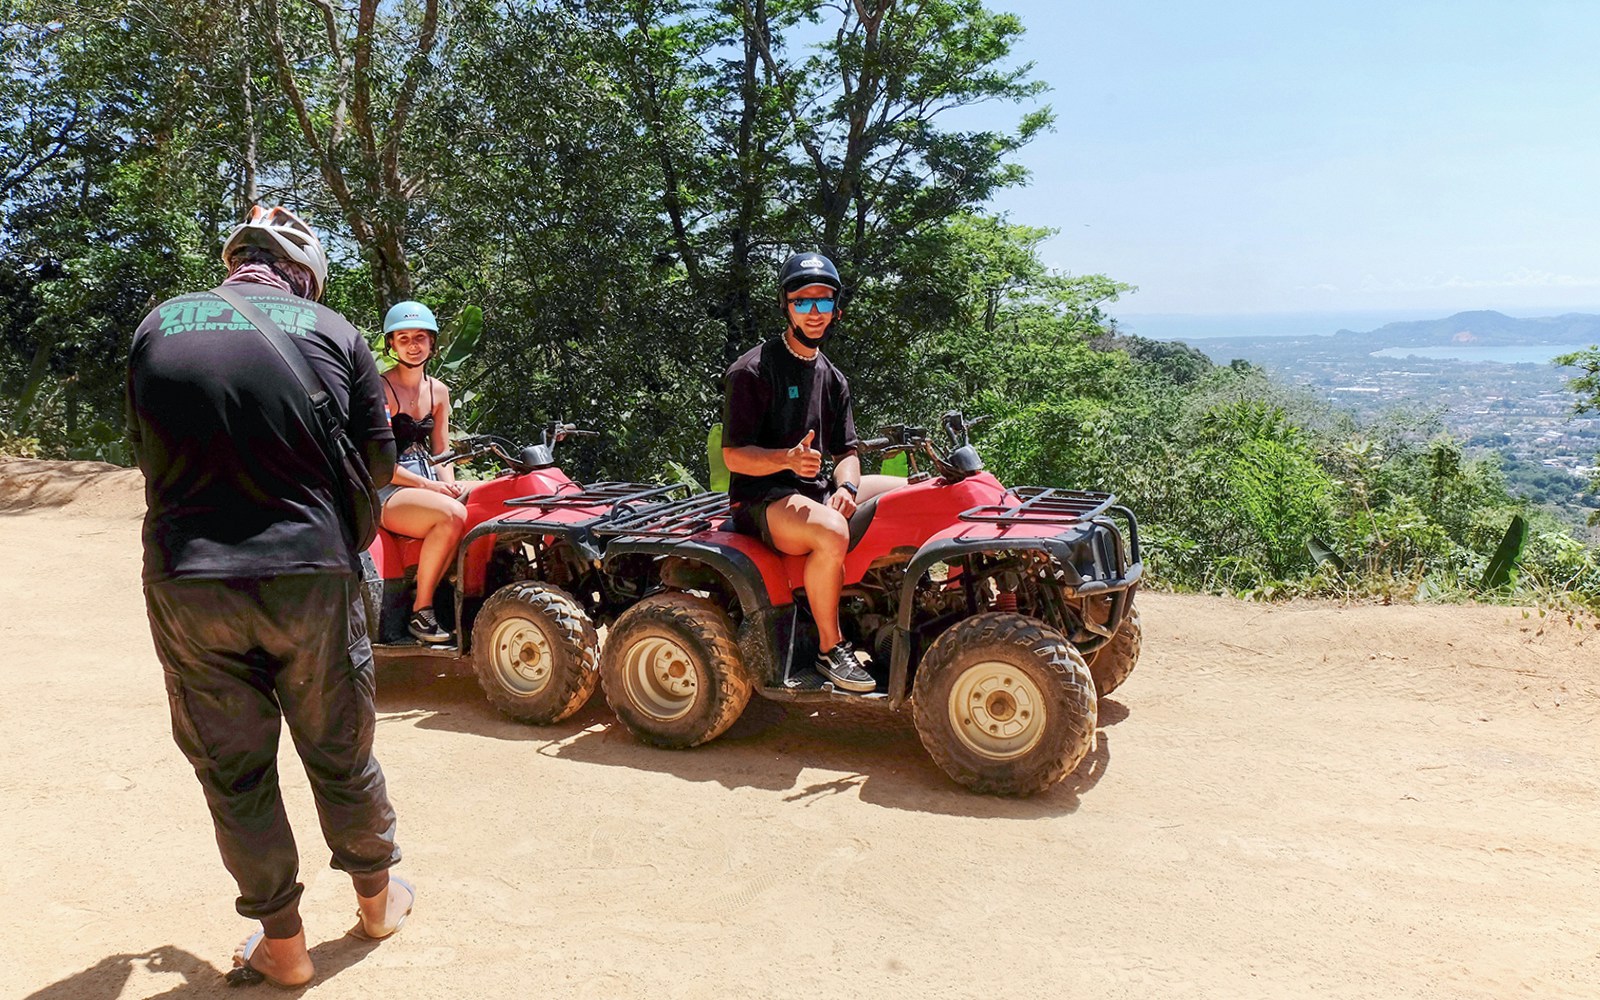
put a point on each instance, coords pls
(660, 678)
(997, 710)
(521, 656)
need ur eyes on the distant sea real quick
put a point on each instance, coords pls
(1513, 354)
(1179, 326)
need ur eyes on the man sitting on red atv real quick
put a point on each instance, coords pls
(783, 398)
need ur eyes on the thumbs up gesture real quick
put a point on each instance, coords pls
(804, 460)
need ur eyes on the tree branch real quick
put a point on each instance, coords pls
(408, 92)
(330, 21)
(331, 174)
(361, 104)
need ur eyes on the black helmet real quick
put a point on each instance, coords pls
(803, 269)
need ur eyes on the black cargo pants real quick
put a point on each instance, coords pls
(237, 655)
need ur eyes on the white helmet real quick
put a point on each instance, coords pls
(285, 234)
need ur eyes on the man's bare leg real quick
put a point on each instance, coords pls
(800, 526)
(281, 960)
(382, 915)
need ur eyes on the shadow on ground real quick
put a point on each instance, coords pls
(108, 978)
(770, 747)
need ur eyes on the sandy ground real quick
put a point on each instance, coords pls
(1285, 801)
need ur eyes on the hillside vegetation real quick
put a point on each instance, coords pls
(594, 197)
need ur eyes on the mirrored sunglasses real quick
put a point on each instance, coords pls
(803, 306)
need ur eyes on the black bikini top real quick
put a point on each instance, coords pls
(408, 430)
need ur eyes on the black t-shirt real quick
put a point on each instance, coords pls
(772, 398)
(237, 482)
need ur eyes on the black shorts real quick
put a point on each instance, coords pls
(751, 519)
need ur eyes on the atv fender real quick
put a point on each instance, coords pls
(753, 572)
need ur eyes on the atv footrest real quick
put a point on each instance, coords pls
(411, 647)
(811, 682)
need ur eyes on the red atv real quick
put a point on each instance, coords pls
(525, 591)
(997, 613)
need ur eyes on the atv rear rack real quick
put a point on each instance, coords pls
(594, 495)
(1043, 505)
(666, 518)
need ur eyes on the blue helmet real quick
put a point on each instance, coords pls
(409, 316)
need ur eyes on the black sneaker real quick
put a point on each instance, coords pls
(840, 665)
(425, 626)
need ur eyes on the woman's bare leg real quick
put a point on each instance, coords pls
(439, 521)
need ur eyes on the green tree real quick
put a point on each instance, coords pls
(1587, 386)
(353, 79)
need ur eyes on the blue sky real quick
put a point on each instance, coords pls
(1296, 156)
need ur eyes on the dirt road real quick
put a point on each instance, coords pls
(1285, 801)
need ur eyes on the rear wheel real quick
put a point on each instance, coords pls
(1004, 704)
(535, 652)
(672, 671)
(1112, 663)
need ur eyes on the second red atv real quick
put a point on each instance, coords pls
(525, 592)
(996, 613)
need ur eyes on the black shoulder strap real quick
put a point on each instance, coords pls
(280, 342)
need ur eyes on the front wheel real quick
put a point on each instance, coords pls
(1112, 663)
(672, 672)
(535, 652)
(1004, 704)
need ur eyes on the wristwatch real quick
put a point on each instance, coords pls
(852, 487)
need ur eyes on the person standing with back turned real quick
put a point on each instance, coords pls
(250, 578)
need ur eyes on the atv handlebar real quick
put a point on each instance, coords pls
(962, 461)
(520, 460)
(470, 446)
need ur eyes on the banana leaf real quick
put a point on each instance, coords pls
(1502, 568)
(1322, 553)
(463, 333)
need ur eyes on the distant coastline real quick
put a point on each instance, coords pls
(1251, 326)
(1502, 354)
(1484, 376)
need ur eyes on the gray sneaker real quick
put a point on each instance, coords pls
(840, 665)
(425, 626)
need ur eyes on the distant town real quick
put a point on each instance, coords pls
(1523, 410)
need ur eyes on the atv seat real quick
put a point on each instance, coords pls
(397, 552)
(860, 521)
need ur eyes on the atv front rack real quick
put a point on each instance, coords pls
(1043, 505)
(665, 518)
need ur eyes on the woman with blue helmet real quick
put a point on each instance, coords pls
(422, 501)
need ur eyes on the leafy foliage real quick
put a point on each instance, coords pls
(593, 197)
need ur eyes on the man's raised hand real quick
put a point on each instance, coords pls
(804, 460)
